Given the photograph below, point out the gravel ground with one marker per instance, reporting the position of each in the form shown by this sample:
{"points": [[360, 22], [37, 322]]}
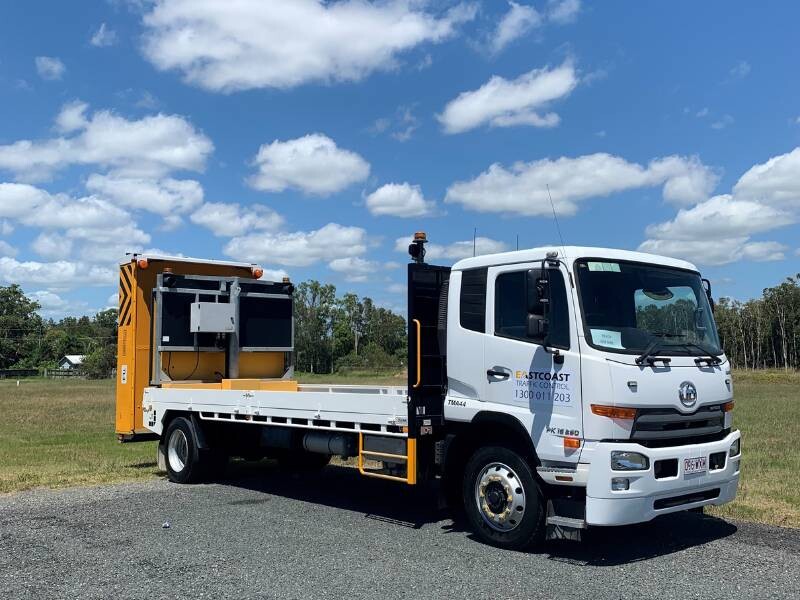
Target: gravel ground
{"points": [[336, 535]]}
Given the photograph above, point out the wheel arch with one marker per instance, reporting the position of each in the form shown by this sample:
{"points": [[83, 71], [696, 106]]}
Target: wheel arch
{"points": [[198, 433], [488, 428]]}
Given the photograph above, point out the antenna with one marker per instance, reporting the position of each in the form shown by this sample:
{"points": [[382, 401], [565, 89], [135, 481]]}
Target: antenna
{"points": [[474, 240], [555, 218], [517, 241]]}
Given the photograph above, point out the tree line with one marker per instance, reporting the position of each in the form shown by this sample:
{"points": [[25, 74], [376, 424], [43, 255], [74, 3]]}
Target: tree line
{"points": [[29, 341], [347, 332], [763, 332], [331, 333]]}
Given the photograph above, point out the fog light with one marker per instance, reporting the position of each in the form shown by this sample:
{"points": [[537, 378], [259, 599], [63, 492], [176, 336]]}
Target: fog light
{"points": [[620, 484], [622, 460], [736, 448]]}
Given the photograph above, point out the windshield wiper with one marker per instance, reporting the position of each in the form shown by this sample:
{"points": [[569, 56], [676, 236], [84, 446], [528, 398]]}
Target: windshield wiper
{"points": [[710, 359], [649, 354]]}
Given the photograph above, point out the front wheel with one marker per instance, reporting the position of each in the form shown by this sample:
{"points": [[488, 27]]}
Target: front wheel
{"points": [[502, 500]]}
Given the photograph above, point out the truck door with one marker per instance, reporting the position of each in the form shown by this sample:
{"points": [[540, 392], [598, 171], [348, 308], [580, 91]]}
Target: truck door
{"points": [[539, 384]]}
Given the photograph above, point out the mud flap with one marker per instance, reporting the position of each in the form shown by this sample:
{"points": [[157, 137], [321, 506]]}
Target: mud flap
{"points": [[562, 528], [161, 458]]}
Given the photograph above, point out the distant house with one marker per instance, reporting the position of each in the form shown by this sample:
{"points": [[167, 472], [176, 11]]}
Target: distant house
{"points": [[71, 361]]}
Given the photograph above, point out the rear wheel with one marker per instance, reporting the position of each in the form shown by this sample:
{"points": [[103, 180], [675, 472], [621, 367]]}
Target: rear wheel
{"points": [[502, 500], [185, 462]]}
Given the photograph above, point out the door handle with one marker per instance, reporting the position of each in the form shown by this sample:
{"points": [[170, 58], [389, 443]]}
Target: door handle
{"points": [[499, 373]]}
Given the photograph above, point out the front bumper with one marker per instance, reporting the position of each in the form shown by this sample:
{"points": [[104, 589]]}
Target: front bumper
{"points": [[647, 496]]}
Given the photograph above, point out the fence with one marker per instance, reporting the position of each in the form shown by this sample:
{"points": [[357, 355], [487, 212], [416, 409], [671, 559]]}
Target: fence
{"points": [[59, 373], [18, 373]]}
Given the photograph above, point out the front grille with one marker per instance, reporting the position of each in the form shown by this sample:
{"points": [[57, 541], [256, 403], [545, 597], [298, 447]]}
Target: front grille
{"points": [[661, 427], [686, 499]]}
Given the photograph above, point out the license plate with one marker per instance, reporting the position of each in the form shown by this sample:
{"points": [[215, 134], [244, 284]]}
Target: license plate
{"points": [[695, 465]]}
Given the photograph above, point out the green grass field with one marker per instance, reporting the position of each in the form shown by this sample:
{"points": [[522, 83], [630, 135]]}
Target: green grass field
{"points": [[768, 413], [61, 433]]}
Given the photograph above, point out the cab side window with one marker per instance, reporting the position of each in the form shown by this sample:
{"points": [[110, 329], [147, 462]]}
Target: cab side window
{"points": [[511, 307], [472, 309]]}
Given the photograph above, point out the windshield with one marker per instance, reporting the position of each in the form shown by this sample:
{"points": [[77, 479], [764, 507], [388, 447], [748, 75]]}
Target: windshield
{"points": [[629, 306]]}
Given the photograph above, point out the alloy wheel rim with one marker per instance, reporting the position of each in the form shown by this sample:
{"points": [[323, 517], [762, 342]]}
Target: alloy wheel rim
{"points": [[178, 450], [500, 497]]}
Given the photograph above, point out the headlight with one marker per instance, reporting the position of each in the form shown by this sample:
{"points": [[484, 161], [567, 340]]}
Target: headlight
{"points": [[736, 448], [622, 460]]}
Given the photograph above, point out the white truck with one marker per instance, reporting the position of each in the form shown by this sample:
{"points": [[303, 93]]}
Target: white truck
{"points": [[551, 389]]}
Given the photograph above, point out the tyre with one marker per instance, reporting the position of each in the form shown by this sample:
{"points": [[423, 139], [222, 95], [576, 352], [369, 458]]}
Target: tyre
{"points": [[302, 460], [186, 463], [503, 503]]}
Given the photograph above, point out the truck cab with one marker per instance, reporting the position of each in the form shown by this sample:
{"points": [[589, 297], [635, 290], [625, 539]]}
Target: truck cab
{"points": [[610, 363]]}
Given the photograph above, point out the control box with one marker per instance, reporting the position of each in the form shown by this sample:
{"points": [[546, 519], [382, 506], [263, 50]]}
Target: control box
{"points": [[212, 317]]}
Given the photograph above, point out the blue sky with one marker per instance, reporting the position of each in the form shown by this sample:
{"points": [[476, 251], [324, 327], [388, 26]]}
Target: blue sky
{"points": [[310, 136]]}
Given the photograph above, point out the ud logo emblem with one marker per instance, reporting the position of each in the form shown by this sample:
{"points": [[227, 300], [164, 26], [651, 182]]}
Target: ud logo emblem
{"points": [[687, 394]]}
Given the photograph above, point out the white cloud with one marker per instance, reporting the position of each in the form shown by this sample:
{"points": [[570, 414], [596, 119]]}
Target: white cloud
{"points": [[7, 249], [147, 100], [518, 21], [503, 103], [104, 37], [19, 200], [56, 274], [37, 208], [250, 44], [355, 268], [703, 112], [775, 182], [563, 11], [52, 246], [740, 70], [72, 117], [6, 228], [231, 220], [299, 248], [456, 250], [49, 68], [522, 189], [714, 252], [720, 217], [62, 212], [401, 126], [151, 146], [312, 163], [94, 222], [48, 300], [718, 230], [399, 200], [161, 196], [723, 122]]}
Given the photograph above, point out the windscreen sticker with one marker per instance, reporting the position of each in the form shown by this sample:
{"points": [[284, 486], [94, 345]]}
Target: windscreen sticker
{"points": [[603, 266], [542, 386], [609, 339]]}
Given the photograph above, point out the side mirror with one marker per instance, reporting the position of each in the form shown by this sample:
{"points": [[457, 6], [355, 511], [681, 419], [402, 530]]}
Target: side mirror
{"points": [[538, 327], [538, 286]]}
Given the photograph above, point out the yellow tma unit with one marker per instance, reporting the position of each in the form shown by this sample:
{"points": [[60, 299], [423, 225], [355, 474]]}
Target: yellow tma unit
{"points": [[198, 323]]}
